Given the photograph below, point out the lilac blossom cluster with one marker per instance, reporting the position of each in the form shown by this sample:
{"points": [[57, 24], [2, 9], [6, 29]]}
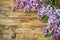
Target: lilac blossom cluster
{"points": [[27, 5], [53, 23], [45, 9]]}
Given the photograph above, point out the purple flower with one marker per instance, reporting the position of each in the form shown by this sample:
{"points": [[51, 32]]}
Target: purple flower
{"points": [[21, 5], [56, 37], [27, 8], [24, 4]]}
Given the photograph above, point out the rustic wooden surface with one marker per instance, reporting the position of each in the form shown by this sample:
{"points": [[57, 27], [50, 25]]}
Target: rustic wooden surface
{"points": [[58, 2], [28, 24]]}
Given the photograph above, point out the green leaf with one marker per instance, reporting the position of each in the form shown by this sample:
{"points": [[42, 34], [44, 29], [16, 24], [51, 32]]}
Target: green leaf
{"points": [[45, 19], [52, 2], [59, 6], [13, 36], [49, 35]]}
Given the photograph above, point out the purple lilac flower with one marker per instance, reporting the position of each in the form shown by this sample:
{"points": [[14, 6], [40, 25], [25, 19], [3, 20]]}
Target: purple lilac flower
{"points": [[24, 3], [56, 37]]}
